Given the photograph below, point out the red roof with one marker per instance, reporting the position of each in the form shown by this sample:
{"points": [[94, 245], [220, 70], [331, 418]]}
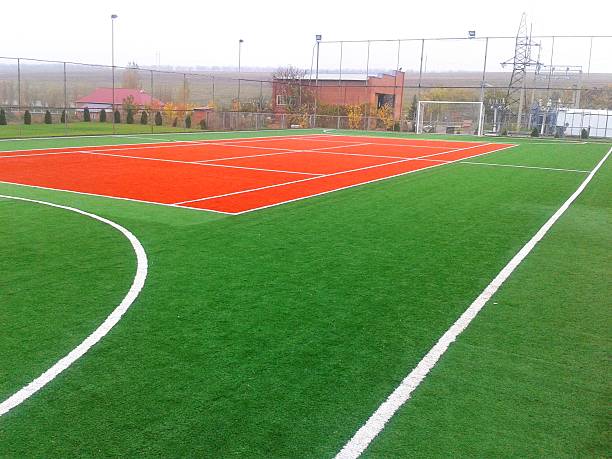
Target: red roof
{"points": [[105, 96]]}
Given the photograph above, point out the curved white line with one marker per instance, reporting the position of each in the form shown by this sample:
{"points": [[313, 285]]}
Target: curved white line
{"points": [[61, 365]]}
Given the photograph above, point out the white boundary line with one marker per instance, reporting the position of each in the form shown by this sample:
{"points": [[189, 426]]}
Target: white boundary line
{"points": [[375, 424], [112, 197], [439, 163], [99, 153], [403, 160], [94, 136], [114, 317], [509, 165]]}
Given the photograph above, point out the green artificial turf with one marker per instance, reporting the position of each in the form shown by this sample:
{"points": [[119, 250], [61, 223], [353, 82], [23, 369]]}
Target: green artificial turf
{"points": [[277, 333]]}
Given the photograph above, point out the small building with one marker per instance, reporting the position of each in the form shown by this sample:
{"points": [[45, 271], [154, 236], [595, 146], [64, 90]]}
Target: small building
{"points": [[199, 117], [102, 99], [346, 89]]}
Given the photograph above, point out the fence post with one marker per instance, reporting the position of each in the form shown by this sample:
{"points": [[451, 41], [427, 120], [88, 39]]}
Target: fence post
{"points": [[65, 103], [482, 86], [151, 116], [19, 92]]}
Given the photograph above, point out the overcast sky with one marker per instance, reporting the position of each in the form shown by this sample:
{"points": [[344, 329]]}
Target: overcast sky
{"points": [[277, 33]]}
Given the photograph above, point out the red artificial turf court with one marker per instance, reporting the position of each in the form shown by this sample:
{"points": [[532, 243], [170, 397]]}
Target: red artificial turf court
{"points": [[231, 175]]}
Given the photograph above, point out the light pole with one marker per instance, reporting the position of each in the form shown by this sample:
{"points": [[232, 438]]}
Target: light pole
{"points": [[240, 42], [318, 39], [113, 17]]}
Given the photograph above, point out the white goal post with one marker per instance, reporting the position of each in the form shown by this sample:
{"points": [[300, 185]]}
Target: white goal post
{"points": [[449, 117]]}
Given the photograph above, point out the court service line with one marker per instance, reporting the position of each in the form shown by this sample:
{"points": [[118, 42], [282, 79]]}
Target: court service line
{"points": [[206, 198], [438, 163], [99, 153], [377, 421], [115, 316]]}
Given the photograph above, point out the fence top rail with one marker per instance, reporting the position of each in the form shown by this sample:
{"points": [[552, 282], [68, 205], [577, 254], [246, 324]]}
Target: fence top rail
{"points": [[499, 37]]}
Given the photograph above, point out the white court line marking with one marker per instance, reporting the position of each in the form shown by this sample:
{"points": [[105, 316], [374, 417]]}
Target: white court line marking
{"points": [[39, 154], [375, 424], [439, 163], [510, 165], [114, 317], [99, 153], [141, 201], [206, 198], [165, 144], [98, 136], [526, 167]]}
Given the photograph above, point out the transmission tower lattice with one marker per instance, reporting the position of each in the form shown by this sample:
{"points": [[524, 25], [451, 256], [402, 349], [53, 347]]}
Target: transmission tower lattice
{"points": [[516, 96]]}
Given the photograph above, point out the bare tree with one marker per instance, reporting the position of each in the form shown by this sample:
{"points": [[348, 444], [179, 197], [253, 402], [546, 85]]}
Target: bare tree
{"points": [[294, 89]]}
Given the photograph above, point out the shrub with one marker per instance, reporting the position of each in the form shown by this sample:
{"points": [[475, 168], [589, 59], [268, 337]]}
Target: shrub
{"points": [[355, 115], [130, 116], [175, 122], [86, 115], [2, 117], [535, 132], [188, 122], [504, 132], [48, 117], [144, 118], [584, 133], [102, 116], [203, 124], [158, 119], [27, 117], [63, 117], [117, 117]]}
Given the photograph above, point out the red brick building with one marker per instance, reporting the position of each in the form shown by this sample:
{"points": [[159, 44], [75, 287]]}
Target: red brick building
{"points": [[345, 89]]}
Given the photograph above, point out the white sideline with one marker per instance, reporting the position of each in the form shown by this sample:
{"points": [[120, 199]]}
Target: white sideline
{"points": [[375, 424], [114, 317]]}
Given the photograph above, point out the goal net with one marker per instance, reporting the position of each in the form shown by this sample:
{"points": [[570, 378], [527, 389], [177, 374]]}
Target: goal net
{"points": [[447, 117]]}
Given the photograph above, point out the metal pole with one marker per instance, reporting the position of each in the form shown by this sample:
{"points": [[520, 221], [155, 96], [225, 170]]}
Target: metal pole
{"points": [[367, 82], [184, 99], [421, 70], [590, 52], [151, 114], [239, 56], [314, 124], [399, 45], [340, 86], [65, 103], [19, 89], [482, 86], [213, 91], [113, 17]]}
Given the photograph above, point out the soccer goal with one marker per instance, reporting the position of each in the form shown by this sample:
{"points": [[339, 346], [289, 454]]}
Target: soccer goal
{"points": [[448, 117]]}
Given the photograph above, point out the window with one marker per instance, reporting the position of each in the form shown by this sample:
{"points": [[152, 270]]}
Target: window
{"points": [[281, 99]]}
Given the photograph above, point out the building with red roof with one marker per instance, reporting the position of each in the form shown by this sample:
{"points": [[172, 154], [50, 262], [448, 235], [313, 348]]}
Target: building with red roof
{"points": [[102, 99]]}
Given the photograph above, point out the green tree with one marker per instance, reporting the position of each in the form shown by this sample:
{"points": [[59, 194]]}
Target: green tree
{"points": [[27, 117], [86, 115], [158, 119], [130, 116], [102, 116], [188, 122], [2, 117], [48, 117], [117, 117], [63, 117], [144, 117]]}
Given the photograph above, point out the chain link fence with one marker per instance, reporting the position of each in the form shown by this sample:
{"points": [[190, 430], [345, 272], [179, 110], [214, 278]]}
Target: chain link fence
{"points": [[367, 85]]}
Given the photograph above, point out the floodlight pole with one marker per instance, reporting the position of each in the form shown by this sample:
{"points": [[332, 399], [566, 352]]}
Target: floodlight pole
{"points": [[113, 17], [314, 124], [240, 41]]}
